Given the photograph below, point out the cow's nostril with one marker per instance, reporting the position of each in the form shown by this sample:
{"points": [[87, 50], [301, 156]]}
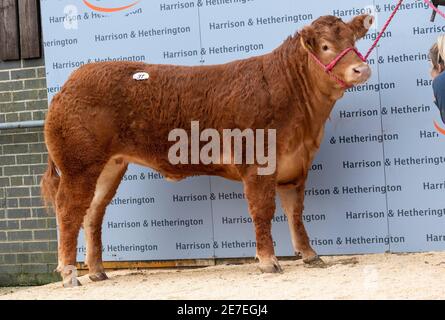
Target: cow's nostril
{"points": [[359, 73]]}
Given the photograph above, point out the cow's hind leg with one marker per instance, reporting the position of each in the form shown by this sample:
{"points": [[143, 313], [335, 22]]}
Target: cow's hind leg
{"points": [[260, 193], [106, 187], [292, 197], [72, 201]]}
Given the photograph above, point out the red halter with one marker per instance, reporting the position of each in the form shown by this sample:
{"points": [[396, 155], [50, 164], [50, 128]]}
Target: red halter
{"points": [[328, 68]]}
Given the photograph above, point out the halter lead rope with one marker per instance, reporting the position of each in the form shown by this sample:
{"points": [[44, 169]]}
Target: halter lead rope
{"points": [[434, 5], [387, 23]]}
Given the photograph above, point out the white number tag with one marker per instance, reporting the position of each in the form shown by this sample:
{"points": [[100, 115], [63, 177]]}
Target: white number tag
{"points": [[140, 76]]}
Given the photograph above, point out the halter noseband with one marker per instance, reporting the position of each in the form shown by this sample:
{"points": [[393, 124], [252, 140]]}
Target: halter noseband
{"points": [[330, 66]]}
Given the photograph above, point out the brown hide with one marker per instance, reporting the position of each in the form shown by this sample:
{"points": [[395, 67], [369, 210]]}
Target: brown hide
{"points": [[103, 119]]}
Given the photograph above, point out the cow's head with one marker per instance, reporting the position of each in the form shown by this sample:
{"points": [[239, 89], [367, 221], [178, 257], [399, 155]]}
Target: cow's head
{"points": [[328, 36]]}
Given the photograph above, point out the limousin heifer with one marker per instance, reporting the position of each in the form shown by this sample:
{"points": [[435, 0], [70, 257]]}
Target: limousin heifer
{"points": [[103, 119]]}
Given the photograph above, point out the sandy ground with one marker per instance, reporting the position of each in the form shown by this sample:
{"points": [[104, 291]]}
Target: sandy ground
{"points": [[381, 276]]}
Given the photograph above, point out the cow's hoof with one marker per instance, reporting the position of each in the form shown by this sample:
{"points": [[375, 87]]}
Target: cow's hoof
{"points": [[298, 256], [99, 276], [71, 283], [271, 266], [314, 262]]}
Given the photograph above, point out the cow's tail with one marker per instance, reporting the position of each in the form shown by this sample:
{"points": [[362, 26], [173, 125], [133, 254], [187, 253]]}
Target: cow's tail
{"points": [[50, 183]]}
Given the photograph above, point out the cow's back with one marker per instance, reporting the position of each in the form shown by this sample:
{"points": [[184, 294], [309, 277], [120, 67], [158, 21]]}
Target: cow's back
{"points": [[195, 92], [103, 107]]}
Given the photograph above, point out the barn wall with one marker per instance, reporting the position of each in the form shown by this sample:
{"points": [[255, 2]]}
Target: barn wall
{"points": [[28, 239]]}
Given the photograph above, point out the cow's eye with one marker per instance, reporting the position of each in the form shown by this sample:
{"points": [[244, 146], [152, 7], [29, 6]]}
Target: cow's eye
{"points": [[325, 48]]}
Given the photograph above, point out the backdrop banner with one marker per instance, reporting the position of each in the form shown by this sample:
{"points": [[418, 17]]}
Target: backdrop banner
{"points": [[378, 182]]}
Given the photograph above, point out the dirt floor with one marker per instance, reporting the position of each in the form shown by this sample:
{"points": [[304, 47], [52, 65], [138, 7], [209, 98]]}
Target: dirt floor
{"points": [[381, 276]]}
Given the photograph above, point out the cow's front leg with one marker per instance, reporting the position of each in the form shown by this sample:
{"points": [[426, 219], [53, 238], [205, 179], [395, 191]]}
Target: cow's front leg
{"points": [[260, 193], [292, 201]]}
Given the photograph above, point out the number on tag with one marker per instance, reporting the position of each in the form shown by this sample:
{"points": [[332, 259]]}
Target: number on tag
{"points": [[140, 76]]}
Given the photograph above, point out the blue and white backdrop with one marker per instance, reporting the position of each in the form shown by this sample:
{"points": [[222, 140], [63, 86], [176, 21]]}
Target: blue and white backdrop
{"points": [[378, 183]]}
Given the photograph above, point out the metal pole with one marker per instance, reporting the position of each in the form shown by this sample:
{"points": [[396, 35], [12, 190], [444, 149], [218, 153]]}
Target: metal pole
{"points": [[22, 125]]}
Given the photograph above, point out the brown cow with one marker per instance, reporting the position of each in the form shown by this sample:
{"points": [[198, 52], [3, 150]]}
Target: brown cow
{"points": [[103, 119]]}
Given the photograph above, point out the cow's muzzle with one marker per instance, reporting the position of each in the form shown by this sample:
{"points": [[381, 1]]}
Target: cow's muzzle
{"points": [[358, 74]]}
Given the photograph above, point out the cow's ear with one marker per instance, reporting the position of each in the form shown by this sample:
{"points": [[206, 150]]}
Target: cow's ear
{"points": [[360, 25], [308, 37]]}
